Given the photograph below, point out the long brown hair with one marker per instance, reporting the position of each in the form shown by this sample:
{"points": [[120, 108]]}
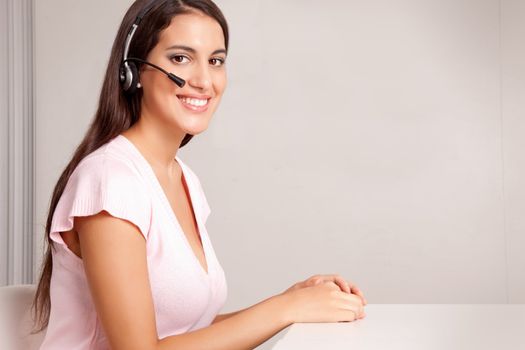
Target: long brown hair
{"points": [[116, 111]]}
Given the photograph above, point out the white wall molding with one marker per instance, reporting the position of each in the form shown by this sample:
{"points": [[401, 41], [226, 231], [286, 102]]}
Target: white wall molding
{"points": [[17, 130], [3, 141]]}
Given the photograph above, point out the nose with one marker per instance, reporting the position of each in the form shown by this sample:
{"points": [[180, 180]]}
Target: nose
{"points": [[200, 77]]}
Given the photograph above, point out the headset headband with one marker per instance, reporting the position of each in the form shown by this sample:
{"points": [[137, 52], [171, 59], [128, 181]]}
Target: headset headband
{"points": [[133, 28]]}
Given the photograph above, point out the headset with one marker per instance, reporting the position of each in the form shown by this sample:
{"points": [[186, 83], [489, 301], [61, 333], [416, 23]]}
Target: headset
{"points": [[129, 73]]}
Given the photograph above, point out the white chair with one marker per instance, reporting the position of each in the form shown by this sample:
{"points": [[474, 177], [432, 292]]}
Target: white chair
{"points": [[16, 321]]}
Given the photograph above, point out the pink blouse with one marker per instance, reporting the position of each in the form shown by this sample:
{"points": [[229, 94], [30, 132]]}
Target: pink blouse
{"points": [[118, 179]]}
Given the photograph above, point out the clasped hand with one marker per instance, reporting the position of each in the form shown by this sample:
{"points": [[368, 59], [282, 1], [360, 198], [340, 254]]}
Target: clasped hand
{"points": [[334, 279]]}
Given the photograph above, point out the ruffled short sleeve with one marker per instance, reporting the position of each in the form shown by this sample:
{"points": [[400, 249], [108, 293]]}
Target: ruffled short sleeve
{"points": [[103, 182]]}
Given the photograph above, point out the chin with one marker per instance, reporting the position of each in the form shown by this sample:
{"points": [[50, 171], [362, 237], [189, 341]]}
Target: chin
{"points": [[196, 129]]}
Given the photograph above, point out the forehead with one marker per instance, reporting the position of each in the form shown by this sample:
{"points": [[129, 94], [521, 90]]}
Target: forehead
{"points": [[196, 30]]}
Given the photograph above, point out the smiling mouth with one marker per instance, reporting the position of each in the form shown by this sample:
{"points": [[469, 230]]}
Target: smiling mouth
{"points": [[194, 104]]}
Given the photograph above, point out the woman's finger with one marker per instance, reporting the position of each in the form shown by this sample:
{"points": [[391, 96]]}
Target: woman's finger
{"points": [[357, 291], [348, 287], [341, 282], [338, 280], [344, 285], [314, 280]]}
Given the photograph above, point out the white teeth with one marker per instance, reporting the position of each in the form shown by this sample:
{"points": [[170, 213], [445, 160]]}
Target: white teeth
{"points": [[193, 101]]}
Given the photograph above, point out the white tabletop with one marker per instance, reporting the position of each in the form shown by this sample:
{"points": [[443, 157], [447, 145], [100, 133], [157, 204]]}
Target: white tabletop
{"points": [[416, 326]]}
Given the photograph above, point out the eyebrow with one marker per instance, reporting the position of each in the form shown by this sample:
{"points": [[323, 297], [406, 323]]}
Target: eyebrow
{"points": [[192, 50]]}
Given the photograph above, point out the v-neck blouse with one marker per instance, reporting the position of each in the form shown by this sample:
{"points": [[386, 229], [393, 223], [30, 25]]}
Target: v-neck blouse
{"points": [[118, 179]]}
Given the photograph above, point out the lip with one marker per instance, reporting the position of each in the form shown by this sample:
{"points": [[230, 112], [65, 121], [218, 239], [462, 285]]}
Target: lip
{"points": [[195, 108], [201, 97]]}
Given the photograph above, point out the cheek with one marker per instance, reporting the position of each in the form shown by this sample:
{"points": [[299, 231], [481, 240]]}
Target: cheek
{"points": [[160, 100], [220, 82], [161, 90]]}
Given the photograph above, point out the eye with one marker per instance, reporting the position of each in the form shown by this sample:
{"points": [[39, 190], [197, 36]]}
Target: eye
{"points": [[220, 60], [177, 58]]}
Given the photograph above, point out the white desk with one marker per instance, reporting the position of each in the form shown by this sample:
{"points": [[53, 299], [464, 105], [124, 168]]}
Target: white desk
{"points": [[416, 327]]}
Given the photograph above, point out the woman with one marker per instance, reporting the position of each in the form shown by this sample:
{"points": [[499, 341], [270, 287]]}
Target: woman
{"points": [[129, 263]]}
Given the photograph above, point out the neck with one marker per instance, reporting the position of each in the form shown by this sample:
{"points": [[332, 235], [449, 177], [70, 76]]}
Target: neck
{"points": [[159, 146]]}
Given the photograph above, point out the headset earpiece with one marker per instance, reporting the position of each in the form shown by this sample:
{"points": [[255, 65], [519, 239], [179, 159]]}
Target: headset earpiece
{"points": [[134, 77], [129, 77]]}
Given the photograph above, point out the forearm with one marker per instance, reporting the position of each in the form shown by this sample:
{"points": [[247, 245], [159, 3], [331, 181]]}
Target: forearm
{"points": [[222, 317], [245, 329]]}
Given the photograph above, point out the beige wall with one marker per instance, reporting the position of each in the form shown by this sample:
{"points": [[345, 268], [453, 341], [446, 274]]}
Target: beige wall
{"points": [[381, 140]]}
